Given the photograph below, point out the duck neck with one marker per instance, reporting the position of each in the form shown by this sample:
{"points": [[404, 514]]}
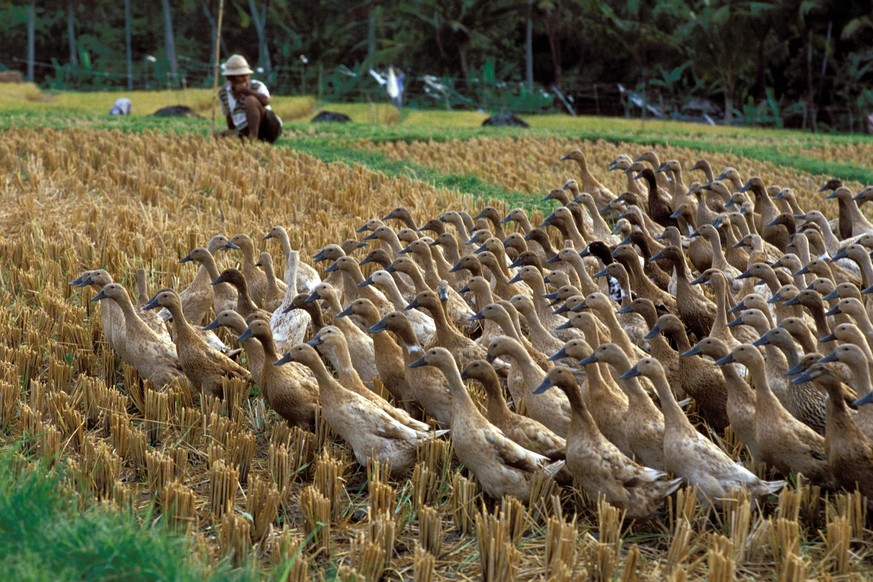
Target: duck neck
{"points": [[719, 325], [673, 414], [184, 331]]}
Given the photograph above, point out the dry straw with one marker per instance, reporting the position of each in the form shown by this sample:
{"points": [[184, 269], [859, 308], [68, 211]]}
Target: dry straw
{"points": [[430, 532], [463, 500], [315, 510], [498, 556]]}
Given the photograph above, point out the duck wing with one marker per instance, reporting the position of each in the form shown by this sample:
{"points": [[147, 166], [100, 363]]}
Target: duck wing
{"points": [[513, 455]]}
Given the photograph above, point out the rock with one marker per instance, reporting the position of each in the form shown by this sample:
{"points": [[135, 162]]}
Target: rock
{"points": [[176, 111], [11, 77], [506, 120], [331, 116]]}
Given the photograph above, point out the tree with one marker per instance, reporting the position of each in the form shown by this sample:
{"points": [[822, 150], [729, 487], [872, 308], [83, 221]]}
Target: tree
{"points": [[71, 33], [260, 22]]}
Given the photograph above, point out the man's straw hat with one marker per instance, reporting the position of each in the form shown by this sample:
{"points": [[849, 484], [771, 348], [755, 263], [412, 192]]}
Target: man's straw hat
{"points": [[236, 65]]}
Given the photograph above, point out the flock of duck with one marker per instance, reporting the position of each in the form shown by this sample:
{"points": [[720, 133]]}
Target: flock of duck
{"points": [[722, 302]]}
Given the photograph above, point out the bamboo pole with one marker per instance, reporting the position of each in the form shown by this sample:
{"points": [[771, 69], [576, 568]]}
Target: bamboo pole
{"points": [[217, 61]]}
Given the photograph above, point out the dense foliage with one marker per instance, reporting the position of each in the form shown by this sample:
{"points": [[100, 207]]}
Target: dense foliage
{"points": [[798, 63]]}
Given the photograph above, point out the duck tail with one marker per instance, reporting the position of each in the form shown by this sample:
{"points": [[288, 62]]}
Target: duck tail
{"points": [[553, 469]]}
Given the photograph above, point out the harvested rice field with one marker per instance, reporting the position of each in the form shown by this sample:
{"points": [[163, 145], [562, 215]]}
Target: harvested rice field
{"points": [[235, 479]]}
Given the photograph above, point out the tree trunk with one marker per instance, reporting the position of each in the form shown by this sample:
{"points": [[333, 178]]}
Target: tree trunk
{"points": [[371, 32], [811, 108], [528, 48], [554, 32], [260, 20], [127, 45], [31, 38], [212, 25], [71, 33], [728, 107], [170, 42]]}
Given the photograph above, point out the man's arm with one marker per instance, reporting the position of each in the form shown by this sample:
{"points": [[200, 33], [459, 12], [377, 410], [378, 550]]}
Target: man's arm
{"points": [[230, 124], [245, 91]]}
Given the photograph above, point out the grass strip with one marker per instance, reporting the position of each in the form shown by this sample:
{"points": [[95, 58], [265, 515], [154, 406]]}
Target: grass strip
{"points": [[46, 535]]}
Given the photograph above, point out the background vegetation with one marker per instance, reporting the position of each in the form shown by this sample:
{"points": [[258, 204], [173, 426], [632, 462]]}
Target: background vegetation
{"points": [[797, 63]]}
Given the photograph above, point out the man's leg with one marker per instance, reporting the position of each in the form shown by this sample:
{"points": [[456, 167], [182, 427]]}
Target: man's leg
{"points": [[254, 114]]}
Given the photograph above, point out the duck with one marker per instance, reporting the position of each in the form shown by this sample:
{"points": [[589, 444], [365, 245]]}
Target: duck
{"points": [[644, 423], [695, 377], [292, 390], [112, 320], [332, 344], [456, 308], [369, 430], [659, 204], [802, 396], [402, 214], [245, 306], [422, 323], [224, 296], [500, 315], [199, 296], [851, 221], [602, 195], [598, 466], [691, 455], [525, 375], [388, 357], [502, 466], [205, 367], [447, 335], [300, 276], [858, 362], [427, 386], [352, 269], [527, 432], [360, 344], [849, 450], [540, 337], [152, 355], [741, 399], [783, 441], [289, 325], [237, 324], [696, 312], [255, 278], [273, 296]]}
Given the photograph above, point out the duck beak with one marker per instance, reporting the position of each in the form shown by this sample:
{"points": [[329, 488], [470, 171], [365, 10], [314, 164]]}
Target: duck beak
{"points": [[316, 341], [744, 275], [312, 297], [560, 354], [830, 196], [592, 359], [362, 228], [602, 273], [247, 334], [215, 324], [152, 303], [835, 311], [552, 260], [728, 359], [371, 236], [457, 267], [802, 379], [692, 352], [863, 400], [515, 279], [632, 373], [561, 309], [506, 219], [333, 267], [319, 256], [653, 332], [378, 327], [490, 358], [365, 282], [99, 296], [476, 316], [284, 359], [761, 341], [625, 309], [547, 383], [184, 259], [793, 371], [657, 257], [735, 322], [231, 245], [345, 312], [418, 363], [566, 325]]}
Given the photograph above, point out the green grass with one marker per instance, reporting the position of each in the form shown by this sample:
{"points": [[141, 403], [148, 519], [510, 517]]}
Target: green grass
{"points": [[46, 535]]}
